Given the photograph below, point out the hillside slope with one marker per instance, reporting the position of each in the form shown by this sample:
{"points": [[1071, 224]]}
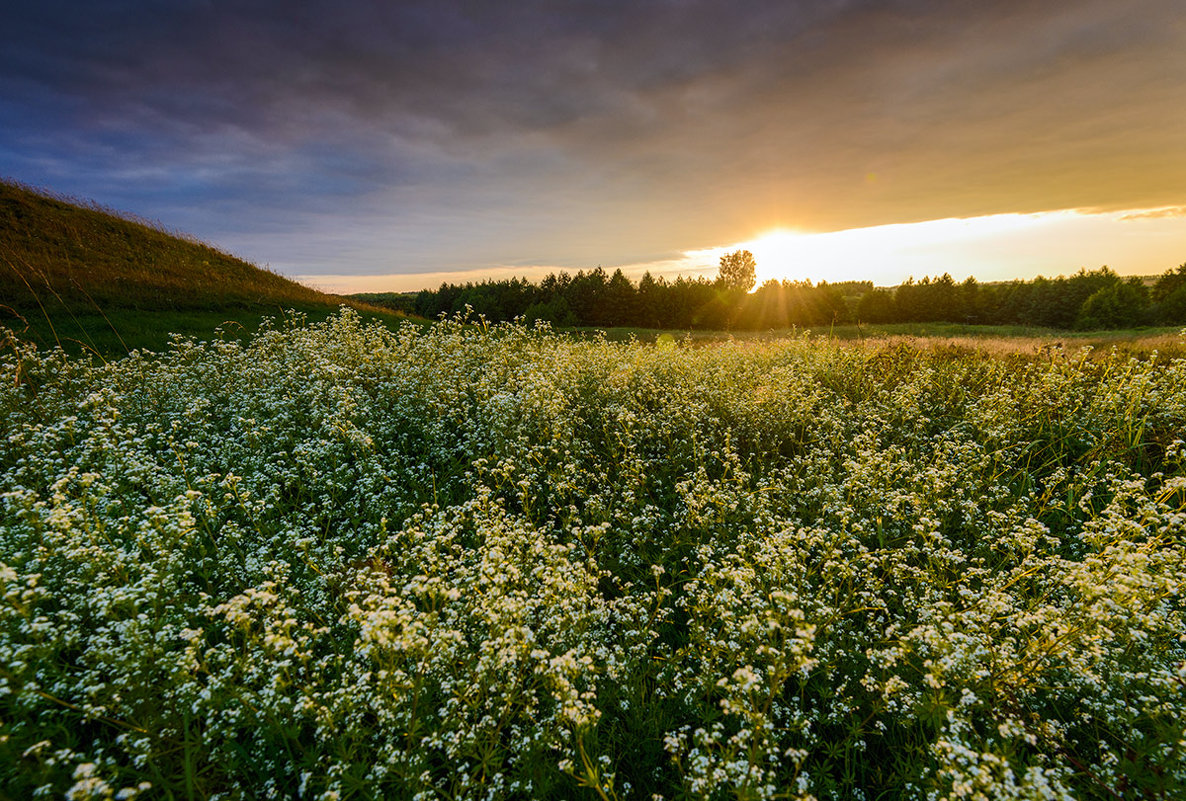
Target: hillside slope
{"points": [[76, 273]]}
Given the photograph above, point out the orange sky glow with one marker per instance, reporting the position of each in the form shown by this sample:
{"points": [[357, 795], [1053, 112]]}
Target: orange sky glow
{"points": [[995, 247]]}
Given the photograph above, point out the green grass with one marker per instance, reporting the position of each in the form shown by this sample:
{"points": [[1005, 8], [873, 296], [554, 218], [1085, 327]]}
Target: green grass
{"points": [[124, 330], [82, 277]]}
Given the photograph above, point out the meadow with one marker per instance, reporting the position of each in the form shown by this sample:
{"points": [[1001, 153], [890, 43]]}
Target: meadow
{"points": [[341, 561]]}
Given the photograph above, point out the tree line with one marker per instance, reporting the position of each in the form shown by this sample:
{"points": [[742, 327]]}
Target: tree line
{"points": [[1089, 299]]}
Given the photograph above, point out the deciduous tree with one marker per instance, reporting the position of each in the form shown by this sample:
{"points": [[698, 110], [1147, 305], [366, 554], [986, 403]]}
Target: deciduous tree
{"points": [[738, 270]]}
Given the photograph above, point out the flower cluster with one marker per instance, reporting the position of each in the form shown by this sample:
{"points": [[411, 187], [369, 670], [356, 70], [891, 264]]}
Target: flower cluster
{"points": [[474, 562]]}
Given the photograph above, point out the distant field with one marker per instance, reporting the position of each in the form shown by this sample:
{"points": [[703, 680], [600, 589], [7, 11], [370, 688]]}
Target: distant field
{"points": [[343, 562], [121, 330], [1000, 337]]}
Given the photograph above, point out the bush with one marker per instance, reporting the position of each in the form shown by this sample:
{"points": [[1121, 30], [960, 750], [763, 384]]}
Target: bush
{"points": [[1122, 305]]}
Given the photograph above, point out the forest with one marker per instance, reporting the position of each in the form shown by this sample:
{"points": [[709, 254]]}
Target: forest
{"points": [[1095, 299]]}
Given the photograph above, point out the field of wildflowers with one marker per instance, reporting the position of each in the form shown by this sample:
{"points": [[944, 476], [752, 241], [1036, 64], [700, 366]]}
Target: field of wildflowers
{"points": [[464, 562]]}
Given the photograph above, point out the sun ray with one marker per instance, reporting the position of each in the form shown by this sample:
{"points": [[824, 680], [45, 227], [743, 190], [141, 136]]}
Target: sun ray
{"points": [[897, 249]]}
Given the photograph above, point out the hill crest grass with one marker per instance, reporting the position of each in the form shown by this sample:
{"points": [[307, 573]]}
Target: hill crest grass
{"points": [[84, 277]]}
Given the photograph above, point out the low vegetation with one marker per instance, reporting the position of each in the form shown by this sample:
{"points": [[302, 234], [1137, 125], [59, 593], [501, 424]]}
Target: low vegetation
{"points": [[464, 562]]}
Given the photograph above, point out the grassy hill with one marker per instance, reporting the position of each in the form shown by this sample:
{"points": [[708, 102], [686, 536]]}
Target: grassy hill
{"points": [[89, 279]]}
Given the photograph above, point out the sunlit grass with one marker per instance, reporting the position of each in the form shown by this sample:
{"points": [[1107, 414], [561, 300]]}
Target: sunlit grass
{"points": [[993, 339]]}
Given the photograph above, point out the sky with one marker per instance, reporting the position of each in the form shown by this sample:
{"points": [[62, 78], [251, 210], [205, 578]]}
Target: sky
{"points": [[374, 146]]}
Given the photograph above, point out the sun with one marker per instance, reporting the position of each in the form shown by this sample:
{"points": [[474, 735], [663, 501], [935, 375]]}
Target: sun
{"points": [[887, 253], [780, 254]]}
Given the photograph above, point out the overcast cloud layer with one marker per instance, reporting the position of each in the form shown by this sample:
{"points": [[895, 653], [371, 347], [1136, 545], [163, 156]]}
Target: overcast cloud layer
{"points": [[352, 137]]}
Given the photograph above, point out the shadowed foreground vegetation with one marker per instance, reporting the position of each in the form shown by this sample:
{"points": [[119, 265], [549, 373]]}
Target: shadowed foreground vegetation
{"points": [[85, 278], [341, 562]]}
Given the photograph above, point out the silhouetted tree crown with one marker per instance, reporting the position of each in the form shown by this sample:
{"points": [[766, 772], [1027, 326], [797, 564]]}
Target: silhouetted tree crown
{"points": [[738, 270]]}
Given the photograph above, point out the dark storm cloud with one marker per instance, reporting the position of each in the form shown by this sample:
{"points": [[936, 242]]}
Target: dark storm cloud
{"points": [[384, 136]]}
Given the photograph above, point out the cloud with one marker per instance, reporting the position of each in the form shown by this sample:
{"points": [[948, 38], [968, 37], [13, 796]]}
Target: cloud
{"points": [[427, 136], [1154, 214]]}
